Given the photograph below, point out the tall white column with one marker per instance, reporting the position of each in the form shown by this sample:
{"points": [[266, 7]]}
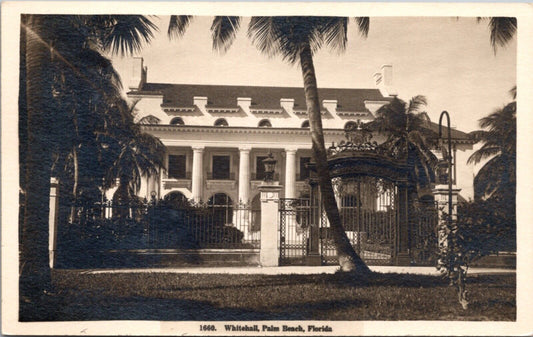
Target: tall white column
{"points": [[244, 174], [197, 173], [52, 220], [290, 173]]}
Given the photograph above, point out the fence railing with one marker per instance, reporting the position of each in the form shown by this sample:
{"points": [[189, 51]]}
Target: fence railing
{"points": [[159, 225]]}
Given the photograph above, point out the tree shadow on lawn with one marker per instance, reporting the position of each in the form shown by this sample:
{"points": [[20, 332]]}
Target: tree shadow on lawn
{"points": [[80, 301], [338, 280], [141, 308]]}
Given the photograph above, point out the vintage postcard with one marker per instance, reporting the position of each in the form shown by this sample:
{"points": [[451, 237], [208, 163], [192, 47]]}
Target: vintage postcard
{"points": [[239, 169]]}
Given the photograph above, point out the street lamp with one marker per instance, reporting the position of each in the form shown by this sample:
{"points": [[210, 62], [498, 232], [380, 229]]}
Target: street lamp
{"points": [[450, 206], [270, 167]]}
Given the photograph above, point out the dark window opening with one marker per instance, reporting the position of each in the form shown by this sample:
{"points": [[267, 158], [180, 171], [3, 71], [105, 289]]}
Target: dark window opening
{"points": [[260, 167], [304, 170], [177, 121], [221, 167], [221, 122], [265, 123], [177, 166]]}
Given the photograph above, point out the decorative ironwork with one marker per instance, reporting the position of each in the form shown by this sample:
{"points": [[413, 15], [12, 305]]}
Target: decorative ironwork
{"points": [[359, 139], [369, 214], [295, 220]]}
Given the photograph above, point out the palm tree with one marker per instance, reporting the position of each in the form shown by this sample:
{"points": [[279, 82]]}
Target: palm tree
{"points": [[497, 177], [296, 39], [408, 132], [135, 155], [43, 43]]}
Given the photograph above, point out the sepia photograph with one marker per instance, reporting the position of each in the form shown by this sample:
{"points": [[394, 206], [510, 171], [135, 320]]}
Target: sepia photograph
{"points": [[266, 169]]}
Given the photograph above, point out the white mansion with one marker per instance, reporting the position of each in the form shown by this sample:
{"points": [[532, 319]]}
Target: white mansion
{"points": [[217, 136]]}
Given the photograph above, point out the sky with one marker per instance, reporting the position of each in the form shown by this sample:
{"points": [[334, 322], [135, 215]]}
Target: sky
{"points": [[448, 60]]}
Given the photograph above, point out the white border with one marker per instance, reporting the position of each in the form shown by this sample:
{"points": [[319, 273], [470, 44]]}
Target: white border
{"points": [[10, 49]]}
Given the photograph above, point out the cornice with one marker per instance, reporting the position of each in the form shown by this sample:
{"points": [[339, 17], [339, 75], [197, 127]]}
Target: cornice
{"points": [[251, 130], [233, 130]]}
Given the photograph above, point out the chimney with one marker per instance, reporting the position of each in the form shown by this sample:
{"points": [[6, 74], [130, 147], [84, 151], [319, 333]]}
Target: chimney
{"points": [[200, 101], [138, 74], [383, 81]]}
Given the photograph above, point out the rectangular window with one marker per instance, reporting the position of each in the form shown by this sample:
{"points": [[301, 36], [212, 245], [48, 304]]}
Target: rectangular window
{"points": [[177, 166], [260, 167], [304, 170], [221, 167]]}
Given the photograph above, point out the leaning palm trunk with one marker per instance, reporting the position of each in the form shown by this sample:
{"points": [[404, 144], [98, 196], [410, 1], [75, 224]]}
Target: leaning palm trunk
{"points": [[34, 266], [348, 258]]}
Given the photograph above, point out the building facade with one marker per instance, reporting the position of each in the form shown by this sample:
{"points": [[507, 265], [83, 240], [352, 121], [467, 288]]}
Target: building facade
{"points": [[217, 136]]}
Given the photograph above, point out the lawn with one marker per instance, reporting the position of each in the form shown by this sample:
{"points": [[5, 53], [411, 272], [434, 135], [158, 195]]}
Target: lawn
{"points": [[164, 296]]}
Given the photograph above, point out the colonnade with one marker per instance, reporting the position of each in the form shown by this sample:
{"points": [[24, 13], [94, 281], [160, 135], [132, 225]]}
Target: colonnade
{"points": [[244, 176]]}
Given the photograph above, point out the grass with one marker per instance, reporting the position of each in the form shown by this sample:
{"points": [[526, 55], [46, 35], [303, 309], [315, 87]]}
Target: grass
{"points": [[162, 296]]}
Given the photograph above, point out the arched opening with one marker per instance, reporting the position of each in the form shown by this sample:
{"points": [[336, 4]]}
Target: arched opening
{"points": [[150, 119], [350, 125], [177, 121], [305, 124], [221, 208], [265, 123], [221, 122], [176, 200]]}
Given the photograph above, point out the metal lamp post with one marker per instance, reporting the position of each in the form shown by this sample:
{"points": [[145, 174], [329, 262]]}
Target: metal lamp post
{"points": [[450, 206], [270, 167]]}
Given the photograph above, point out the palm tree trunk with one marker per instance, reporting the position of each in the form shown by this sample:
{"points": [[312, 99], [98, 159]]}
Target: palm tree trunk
{"points": [[348, 258], [34, 261], [75, 184]]}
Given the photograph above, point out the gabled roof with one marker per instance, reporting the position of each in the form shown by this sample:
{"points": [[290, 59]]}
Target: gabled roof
{"points": [[225, 96]]}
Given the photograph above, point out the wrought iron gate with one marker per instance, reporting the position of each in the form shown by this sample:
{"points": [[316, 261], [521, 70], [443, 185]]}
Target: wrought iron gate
{"points": [[368, 208], [294, 219]]}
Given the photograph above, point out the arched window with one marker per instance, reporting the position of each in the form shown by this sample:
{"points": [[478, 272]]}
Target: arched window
{"points": [[221, 209], [221, 122], [176, 200], [305, 124], [150, 119], [265, 123], [177, 121]]}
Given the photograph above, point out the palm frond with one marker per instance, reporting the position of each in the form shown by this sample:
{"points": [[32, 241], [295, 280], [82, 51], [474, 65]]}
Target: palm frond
{"points": [[483, 153], [489, 178], [513, 92], [264, 35], [127, 33], [335, 31], [364, 25], [502, 31], [177, 25], [223, 30], [415, 103]]}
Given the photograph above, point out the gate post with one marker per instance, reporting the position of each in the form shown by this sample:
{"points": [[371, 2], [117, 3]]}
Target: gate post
{"points": [[269, 251], [52, 220], [402, 229], [440, 193]]}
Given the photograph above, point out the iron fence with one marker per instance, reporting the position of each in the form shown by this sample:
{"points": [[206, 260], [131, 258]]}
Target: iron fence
{"points": [[158, 224]]}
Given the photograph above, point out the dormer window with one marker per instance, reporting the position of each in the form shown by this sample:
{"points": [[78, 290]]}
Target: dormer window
{"points": [[305, 124], [221, 122], [177, 121], [265, 123]]}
